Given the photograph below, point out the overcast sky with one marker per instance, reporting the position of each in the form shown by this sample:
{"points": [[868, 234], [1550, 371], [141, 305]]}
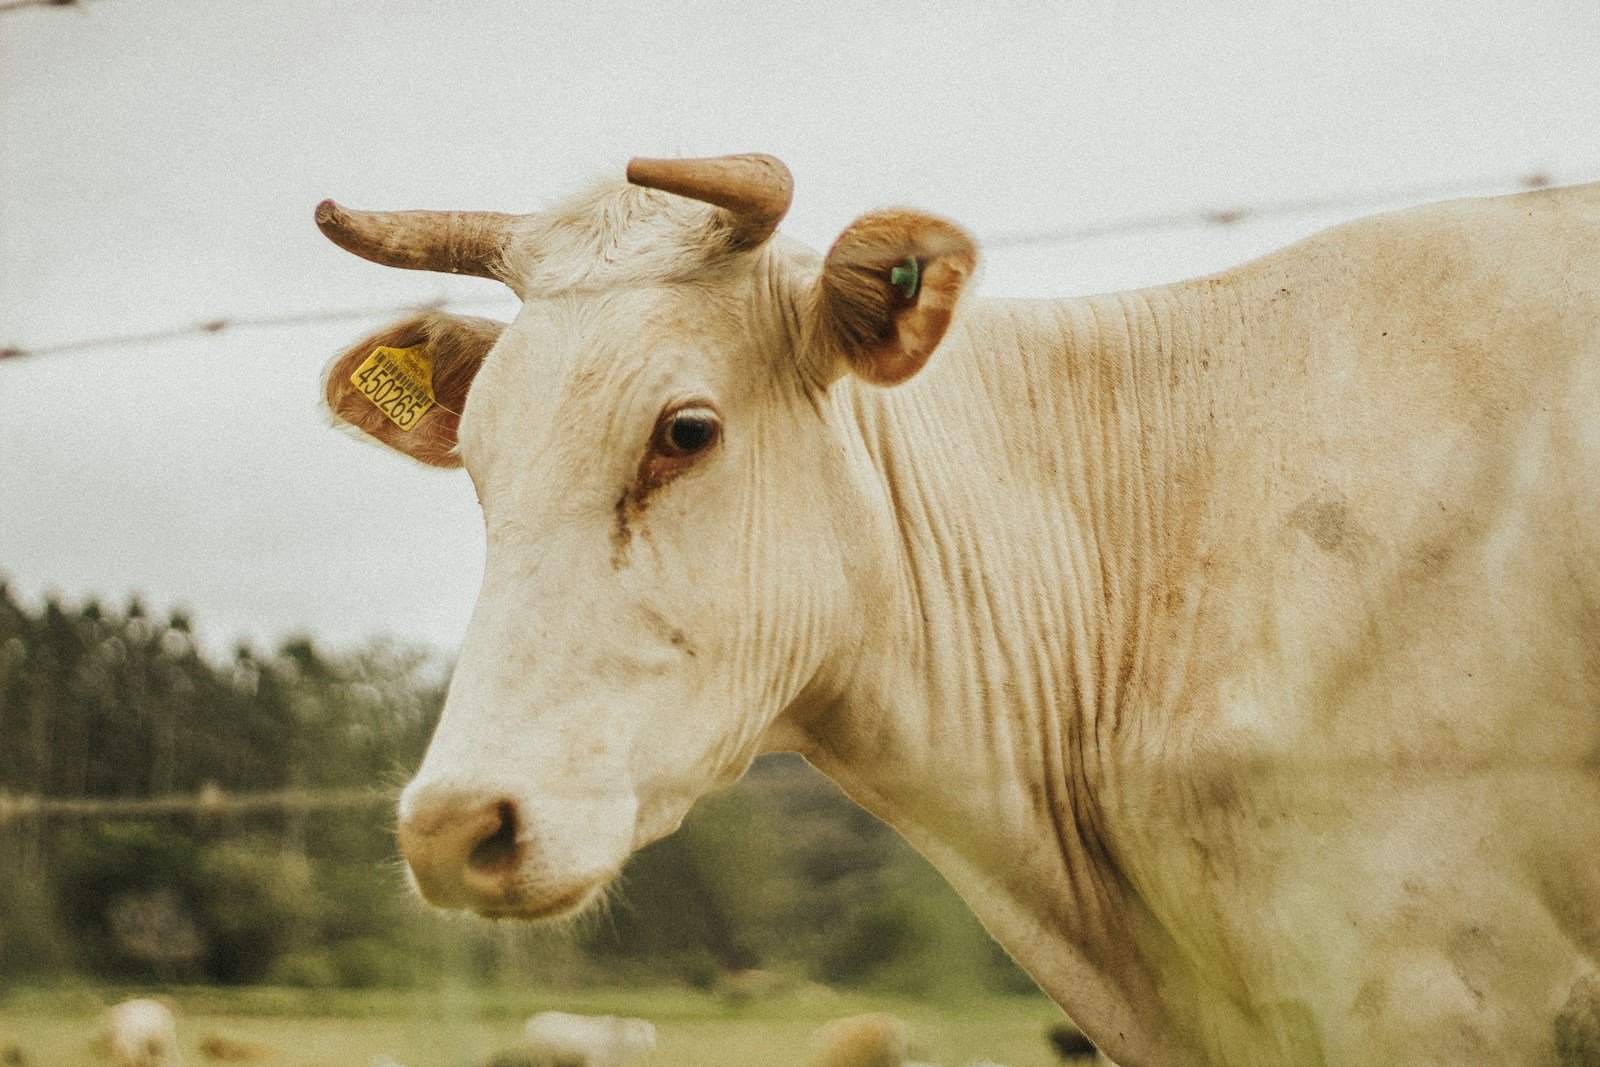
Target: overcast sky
{"points": [[159, 160]]}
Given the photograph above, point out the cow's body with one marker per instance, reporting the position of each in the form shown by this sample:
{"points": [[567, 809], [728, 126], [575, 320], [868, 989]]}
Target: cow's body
{"points": [[1243, 657], [560, 1039], [141, 1033], [1233, 647]]}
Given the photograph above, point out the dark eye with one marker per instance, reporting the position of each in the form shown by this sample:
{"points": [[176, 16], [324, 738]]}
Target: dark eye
{"points": [[687, 431]]}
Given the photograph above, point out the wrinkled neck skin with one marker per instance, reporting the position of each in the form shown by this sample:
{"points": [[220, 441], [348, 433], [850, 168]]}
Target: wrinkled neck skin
{"points": [[1027, 621]]}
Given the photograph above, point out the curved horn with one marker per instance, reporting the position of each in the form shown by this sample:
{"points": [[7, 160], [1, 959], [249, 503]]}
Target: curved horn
{"points": [[456, 242], [755, 189]]}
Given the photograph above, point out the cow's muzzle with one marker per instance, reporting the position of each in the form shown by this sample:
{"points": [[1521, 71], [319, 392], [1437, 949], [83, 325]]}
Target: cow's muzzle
{"points": [[477, 851]]}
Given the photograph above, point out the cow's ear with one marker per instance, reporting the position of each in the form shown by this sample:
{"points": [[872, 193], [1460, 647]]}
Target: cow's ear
{"points": [[405, 385], [888, 290]]}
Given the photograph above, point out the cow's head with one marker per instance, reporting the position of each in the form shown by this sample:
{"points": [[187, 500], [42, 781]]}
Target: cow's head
{"points": [[677, 546]]}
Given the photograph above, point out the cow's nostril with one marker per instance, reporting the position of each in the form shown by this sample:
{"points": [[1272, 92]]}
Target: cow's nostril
{"points": [[497, 853]]}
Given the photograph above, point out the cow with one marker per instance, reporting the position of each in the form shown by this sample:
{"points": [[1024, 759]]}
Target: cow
{"points": [[1231, 646], [560, 1039], [141, 1033], [874, 1040]]}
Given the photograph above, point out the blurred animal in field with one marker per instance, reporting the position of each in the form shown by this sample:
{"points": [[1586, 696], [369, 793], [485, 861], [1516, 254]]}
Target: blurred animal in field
{"points": [[1068, 1042], [560, 1039], [219, 1048], [521, 1056], [875, 1040], [13, 1056], [739, 987], [141, 1033]]}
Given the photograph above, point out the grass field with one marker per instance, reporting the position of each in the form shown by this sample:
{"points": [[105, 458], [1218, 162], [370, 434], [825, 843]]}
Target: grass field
{"points": [[463, 1028]]}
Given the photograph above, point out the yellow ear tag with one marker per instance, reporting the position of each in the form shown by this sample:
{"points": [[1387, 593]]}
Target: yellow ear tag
{"points": [[399, 382]]}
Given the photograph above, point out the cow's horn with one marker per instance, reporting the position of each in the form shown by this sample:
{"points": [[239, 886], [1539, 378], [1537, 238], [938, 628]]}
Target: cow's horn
{"points": [[755, 189], [456, 242]]}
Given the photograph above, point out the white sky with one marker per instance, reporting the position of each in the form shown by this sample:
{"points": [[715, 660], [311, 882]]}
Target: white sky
{"points": [[159, 160]]}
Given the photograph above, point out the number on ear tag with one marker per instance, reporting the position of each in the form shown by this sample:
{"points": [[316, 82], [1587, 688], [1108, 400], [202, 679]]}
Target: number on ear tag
{"points": [[398, 382]]}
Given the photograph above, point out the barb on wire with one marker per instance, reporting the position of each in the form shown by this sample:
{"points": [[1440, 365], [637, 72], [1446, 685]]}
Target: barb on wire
{"points": [[1228, 216], [15, 5], [209, 801]]}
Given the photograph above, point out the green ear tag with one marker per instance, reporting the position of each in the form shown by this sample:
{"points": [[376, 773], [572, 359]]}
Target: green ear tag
{"points": [[907, 277]]}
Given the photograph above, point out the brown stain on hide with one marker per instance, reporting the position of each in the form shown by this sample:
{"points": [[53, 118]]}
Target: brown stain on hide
{"points": [[1577, 1028], [1370, 999], [1327, 521], [1474, 953], [672, 634], [655, 470]]}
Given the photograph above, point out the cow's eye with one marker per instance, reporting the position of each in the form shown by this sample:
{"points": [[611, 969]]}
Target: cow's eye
{"points": [[687, 431]]}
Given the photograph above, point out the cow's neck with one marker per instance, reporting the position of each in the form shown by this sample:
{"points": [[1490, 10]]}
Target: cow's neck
{"points": [[1032, 486]]}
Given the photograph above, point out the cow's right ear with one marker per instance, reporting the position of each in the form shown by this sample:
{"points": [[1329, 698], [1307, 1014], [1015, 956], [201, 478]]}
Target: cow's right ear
{"points": [[405, 386]]}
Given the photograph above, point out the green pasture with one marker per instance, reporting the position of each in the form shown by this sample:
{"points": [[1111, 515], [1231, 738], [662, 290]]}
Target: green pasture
{"points": [[462, 1028]]}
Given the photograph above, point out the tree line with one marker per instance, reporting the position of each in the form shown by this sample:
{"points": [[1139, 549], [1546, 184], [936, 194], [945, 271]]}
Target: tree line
{"points": [[781, 875]]}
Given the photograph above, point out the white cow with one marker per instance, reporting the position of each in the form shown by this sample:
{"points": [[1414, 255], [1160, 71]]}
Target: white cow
{"points": [[559, 1039], [874, 1040], [1232, 646], [142, 1033]]}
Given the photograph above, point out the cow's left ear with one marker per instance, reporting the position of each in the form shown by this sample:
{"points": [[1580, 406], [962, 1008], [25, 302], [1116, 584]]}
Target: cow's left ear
{"points": [[406, 385], [888, 290]]}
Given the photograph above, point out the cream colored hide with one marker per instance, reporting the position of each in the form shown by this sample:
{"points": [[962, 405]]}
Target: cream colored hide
{"points": [[141, 1033], [560, 1039], [1232, 646]]}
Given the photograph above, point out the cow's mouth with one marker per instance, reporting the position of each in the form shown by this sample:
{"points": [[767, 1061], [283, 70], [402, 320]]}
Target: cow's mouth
{"points": [[526, 906]]}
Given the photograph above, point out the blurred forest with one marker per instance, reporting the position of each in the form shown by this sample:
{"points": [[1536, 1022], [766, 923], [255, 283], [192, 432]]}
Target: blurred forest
{"points": [[780, 879]]}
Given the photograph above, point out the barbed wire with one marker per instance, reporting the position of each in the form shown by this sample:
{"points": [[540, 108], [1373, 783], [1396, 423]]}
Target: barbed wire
{"points": [[1004, 239], [209, 801], [17, 5], [234, 322], [1265, 209]]}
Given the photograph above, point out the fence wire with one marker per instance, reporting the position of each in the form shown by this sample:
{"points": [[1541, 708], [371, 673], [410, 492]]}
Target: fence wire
{"points": [[211, 801], [7, 6], [1005, 239]]}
